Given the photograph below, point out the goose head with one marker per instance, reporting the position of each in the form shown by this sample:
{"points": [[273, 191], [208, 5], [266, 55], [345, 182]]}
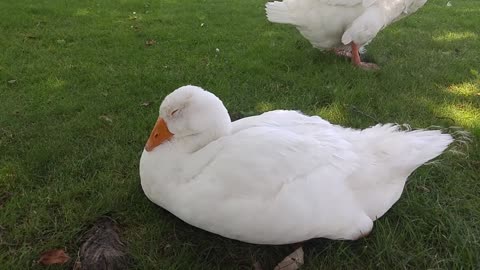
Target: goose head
{"points": [[189, 117]]}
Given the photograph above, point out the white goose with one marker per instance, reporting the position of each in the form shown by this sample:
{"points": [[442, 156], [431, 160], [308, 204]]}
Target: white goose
{"points": [[341, 25], [277, 178]]}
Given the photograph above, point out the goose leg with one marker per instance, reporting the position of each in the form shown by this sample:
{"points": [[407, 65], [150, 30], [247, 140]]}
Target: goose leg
{"points": [[358, 62]]}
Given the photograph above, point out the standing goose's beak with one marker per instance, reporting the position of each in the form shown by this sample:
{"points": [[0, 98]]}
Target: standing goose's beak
{"points": [[160, 133]]}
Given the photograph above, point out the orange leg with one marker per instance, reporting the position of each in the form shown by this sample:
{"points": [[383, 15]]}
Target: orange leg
{"points": [[358, 62], [355, 54]]}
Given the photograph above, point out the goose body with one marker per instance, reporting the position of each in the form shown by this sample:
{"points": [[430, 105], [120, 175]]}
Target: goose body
{"points": [[277, 178], [340, 24]]}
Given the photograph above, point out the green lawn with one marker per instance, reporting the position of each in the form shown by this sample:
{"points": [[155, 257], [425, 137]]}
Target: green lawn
{"points": [[73, 76]]}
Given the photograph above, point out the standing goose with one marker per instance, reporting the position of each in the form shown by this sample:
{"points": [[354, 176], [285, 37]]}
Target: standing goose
{"points": [[341, 25], [277, 178]]}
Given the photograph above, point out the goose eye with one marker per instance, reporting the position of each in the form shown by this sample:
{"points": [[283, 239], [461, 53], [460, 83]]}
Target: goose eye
{"points": [[173, 113]]}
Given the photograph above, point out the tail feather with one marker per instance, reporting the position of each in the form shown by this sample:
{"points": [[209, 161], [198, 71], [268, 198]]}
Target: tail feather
{"points": [[406, 149], [388, 156], [277, 12], [461, 139]]}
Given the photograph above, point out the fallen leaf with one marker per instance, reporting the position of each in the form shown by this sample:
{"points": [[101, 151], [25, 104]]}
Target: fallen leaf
{"points": [[54, 256], [135, 27], [40, 23], [424, 188], [150, 42], [292, 262], [146, 104], [12, 81], [105, 118], [31, 36]]}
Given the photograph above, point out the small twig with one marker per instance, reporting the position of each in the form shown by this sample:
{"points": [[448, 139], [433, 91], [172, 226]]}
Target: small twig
{"points": [[175, 232], [351, 107], [446, 117], [288, 67], [8, 244]]}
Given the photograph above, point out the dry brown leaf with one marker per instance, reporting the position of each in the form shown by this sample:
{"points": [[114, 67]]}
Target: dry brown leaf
{"points": [[150, 42], [54, 256], [292, 262], [105, 118]]}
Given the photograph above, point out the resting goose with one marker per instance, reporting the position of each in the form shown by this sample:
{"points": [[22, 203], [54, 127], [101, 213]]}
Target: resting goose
{"points": [[277, 178]]}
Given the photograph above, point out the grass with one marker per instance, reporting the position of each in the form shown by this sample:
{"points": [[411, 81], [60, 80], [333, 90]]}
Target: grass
{"points": [[73, 76]]}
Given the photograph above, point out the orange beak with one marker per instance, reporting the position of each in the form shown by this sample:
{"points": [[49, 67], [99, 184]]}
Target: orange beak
{"points": [[160, 133]]}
